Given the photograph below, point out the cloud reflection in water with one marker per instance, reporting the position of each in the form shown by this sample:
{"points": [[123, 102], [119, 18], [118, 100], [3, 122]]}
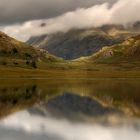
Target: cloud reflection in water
{"points": [[27, 126]]}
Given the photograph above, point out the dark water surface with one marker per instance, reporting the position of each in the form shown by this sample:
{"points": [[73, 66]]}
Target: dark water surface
{"points": [[70, 109]]}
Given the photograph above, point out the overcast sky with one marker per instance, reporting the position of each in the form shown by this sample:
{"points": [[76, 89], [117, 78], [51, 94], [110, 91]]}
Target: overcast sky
{"points": [[15, 11], [22, 19]]}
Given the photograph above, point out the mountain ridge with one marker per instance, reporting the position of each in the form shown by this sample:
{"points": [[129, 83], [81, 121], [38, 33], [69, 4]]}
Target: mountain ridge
{"points": [[81, 42]]}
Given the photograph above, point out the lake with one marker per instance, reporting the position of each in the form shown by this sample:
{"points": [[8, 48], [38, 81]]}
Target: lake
{"points": [[70, 109]]}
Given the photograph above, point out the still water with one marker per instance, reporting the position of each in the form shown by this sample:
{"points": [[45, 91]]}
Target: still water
{"points": [[70, 109]]}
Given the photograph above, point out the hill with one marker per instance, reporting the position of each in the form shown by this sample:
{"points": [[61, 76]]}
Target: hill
{"points": [[125, 52], [16, 53], [18, 59]]}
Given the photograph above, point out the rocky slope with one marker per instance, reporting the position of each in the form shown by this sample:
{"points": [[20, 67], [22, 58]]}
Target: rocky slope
{"points": [[81, 42]]}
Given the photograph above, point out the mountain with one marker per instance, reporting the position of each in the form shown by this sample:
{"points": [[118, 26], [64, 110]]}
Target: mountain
{"points": [[14, 52], [81, 42], [125, 52], [37, 40]]}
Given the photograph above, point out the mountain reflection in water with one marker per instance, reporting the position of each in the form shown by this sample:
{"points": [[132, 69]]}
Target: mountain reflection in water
{"points": [[83, 110]]}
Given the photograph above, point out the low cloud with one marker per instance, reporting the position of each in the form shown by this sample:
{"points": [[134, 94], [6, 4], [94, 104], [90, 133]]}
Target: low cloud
{"points": [[122, 12]]}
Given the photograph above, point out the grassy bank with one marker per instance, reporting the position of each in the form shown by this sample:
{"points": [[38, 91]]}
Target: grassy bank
{"points": [[16, 72]]}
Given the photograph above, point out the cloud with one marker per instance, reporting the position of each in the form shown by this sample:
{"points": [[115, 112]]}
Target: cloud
{"points": [[23, 10], [56, 129], [122, 12]]}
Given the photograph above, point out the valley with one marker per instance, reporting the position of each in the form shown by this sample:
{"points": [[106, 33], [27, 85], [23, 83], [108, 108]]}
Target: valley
{"points": [[70, 70], [118, 60]]}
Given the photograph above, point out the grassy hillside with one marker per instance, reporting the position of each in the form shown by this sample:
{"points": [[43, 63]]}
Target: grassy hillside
{"points": [[126, 52], [16, 53]]}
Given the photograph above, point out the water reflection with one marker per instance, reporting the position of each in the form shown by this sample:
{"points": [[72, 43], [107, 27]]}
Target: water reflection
{"points": [[70, 110], [25, 125], [74, 107]]}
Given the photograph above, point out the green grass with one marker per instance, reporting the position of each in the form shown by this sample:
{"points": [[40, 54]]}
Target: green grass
{"points": [[97, 72]]}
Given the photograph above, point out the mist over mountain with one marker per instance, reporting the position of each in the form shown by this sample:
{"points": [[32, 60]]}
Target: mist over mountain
{"points": [[81, 32], [82, 42], [121, 12]]}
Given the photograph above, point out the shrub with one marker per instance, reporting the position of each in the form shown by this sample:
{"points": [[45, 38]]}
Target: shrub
{"points": [[27, 62], [34, 65], [27, 55], [14, 51], [15, 63]]}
